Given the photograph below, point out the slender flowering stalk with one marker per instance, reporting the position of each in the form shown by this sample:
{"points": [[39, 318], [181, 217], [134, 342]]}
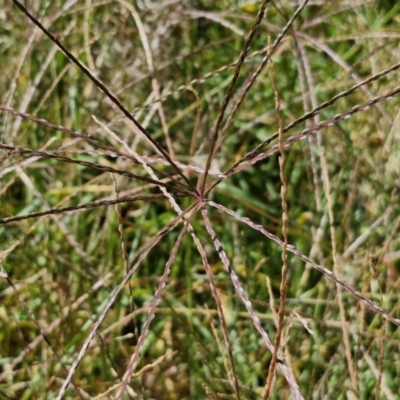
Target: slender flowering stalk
{"points": [[259, 69], [229, 91], [254, 155], [84, 206], [316, 110], [104, 89], [324, 124], [73, 134], [247, 303], [110, 302], [329, 274], [285, 223], [45, 154]]}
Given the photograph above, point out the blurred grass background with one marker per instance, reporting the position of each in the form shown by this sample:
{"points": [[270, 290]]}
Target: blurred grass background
{"points": [[65, 266]]}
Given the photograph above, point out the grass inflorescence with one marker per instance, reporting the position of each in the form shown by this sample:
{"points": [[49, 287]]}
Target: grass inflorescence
{"points": [[199, 200]]}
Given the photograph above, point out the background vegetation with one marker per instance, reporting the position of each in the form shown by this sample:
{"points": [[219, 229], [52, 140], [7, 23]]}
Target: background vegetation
{"points": [[60, 270]]}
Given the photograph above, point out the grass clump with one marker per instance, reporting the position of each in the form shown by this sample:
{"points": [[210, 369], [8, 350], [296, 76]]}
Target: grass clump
{"points": [[199, 200]]}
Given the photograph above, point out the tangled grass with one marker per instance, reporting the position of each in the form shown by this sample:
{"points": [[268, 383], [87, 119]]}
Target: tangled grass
{"points": [[199, 200]]}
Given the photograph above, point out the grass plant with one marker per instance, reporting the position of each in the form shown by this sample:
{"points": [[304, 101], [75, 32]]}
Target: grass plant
{"points": [[199, 199]]}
